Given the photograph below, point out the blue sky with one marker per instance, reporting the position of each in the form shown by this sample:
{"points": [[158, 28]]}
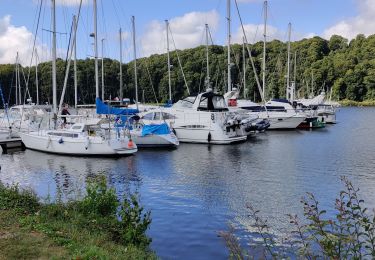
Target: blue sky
{"points": [[187, 18]]}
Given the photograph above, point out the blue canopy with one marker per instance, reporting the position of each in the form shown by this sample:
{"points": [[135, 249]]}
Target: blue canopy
{"points": [[102, 108], [160, 129]]}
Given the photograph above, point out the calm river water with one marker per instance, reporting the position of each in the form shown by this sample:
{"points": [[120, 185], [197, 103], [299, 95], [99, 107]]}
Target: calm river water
{"points": [[197, 190]]}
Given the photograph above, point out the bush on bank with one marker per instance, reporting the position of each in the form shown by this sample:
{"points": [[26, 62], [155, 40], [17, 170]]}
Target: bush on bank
{"points": [[99, 226], [350, 234]]}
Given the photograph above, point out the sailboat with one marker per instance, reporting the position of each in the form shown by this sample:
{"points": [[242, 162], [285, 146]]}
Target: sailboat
{"points": [[81, 138]]}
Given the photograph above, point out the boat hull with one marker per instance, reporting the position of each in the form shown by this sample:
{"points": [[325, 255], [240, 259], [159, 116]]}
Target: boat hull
{"points": [[76, 146]]}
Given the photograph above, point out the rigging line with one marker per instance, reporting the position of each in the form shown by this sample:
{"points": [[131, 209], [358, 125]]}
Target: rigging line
{"points": [[152, 85], [251, 57], [33, 49], [116, 14], [179, 61]]}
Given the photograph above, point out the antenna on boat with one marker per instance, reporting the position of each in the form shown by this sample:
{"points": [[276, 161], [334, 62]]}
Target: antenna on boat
{"points": [[207, 60], [288, 88]]}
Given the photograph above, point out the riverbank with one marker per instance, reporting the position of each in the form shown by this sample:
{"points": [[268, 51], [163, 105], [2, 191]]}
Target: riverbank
{"points": [[86, 229], [352, 103]]}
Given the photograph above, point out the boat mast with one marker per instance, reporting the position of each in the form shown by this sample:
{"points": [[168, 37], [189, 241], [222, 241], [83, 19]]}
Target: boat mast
{"points": [[244, 67], [207, 59], [169, 62], [103, 69], [16, 79], [295, 75], [264, 47], [19, 81], [75, 64], [135, 63], [288, 89], [54, 83], [229, 40], [121, 80], [96, 51], [36, 77]]}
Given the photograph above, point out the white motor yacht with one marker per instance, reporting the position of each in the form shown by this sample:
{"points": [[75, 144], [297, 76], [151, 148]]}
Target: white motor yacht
{"points": [[204, 118], [280, 113]]}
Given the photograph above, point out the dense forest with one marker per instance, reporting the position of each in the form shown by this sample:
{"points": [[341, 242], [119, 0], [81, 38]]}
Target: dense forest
{"points": [[345, 67]]}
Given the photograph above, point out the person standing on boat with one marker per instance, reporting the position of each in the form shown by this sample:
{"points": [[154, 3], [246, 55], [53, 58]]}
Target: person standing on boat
{"points": [[64, 112]]}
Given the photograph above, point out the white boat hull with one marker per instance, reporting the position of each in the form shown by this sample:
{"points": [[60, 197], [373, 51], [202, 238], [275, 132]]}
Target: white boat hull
{"points": [[280, 122], [76, 146], [152, 140]]}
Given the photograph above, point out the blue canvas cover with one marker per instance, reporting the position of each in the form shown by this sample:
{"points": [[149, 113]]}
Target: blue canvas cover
{"points": [[104, 109], [160, 129]]}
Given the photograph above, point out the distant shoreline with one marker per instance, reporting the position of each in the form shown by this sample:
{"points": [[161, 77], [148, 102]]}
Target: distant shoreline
{"points": [[352, 103]]}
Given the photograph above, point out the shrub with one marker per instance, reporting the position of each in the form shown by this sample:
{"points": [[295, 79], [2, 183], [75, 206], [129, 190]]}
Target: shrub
{"points": [[349, 235], [100, 200], [14, 198]]}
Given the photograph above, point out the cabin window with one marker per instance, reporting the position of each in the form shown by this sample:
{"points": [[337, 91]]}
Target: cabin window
{"points": [[149, 116]]}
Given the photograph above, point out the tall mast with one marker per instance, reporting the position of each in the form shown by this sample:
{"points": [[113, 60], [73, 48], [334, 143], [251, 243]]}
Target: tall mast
{"points": [[169, 62], [54, 84], [244, 67], [207, 59], [121, 82], [17, 79], [103, 69], [36, 77], [75, 63], [96, 51], [264, 47], [135, 63], [295, 74], [288, 90], [229, 39]]}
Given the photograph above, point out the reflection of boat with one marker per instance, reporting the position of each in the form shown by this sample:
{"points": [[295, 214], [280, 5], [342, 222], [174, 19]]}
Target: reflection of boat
{"points": [[202, 119], [80, 139]]}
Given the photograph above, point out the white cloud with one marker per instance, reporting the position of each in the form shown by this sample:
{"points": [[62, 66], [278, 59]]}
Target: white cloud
{"points": [[15, 39], [364, 22], [254, 33], [188, 31], [71, 2]]}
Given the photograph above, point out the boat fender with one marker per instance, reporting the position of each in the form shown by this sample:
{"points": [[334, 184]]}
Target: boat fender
{"points": [[174, 131], [61, 141], [130, 143], [209, 137], [87, 142]]}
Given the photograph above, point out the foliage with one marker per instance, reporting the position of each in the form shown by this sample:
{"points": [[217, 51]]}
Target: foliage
{"points": [[98, 226], [12, 197], [348, 68], [349, 235]]}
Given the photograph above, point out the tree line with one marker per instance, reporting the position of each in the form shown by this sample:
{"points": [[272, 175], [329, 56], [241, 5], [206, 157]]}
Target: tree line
{"points": [[341, 67]]}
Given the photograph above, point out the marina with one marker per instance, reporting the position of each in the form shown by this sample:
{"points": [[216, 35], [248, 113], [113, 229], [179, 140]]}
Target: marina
{"points": [[195, 191], [205, 130]]}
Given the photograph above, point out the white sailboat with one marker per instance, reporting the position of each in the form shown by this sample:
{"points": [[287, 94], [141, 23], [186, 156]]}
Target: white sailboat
{"points": [[81, 138]]}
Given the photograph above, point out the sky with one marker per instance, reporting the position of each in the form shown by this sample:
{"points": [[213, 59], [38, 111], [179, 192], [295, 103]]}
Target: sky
{"points": [[187, 18]]}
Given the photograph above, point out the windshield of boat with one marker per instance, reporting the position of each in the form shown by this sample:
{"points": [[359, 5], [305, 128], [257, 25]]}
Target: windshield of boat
{"points": [[185, 103], [213, 103]]}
